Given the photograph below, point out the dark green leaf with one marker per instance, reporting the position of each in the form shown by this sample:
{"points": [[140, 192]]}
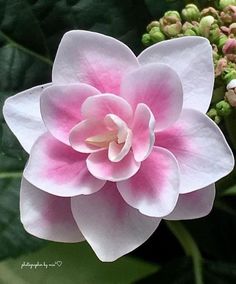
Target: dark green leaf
{"points": [[215, 235], [180, 271], [74, 263]]}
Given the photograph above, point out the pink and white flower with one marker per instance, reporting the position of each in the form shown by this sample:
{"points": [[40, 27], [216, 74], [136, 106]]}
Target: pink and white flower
{"points": [[118, 142]]}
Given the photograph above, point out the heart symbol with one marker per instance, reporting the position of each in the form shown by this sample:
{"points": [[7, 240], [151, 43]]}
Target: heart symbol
{"points": [[59, 263]]}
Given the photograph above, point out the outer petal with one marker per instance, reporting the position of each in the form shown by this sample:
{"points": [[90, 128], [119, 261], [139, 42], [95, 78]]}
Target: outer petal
{"points": [[194, 205], [22, 114], [100, 106], [154, 189], [159, 87], [92, 58], [200, 148], [47, 216], [143, 132], [60, 108], [111, 226], [191, 58], [58, 169], [101, 167]]}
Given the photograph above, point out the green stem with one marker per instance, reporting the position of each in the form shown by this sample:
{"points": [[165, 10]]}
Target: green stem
{"points": [[189, 246], [25, 50], [4, 175], [223, 206]]}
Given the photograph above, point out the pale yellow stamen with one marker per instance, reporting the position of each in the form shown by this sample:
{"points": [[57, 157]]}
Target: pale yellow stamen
{"points": [[102, 140]]}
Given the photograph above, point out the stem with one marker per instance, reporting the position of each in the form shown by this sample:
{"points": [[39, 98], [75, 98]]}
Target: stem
{"points": [[189, 246], [219, 204], [25, 50], [4, 175]]}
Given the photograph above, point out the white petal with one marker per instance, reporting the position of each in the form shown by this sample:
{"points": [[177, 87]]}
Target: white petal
{"points": [[109, 224], [194, 205], [200, 149], [22, 114], [47, 216], [191, 58], [154, 189], [94, 59]]}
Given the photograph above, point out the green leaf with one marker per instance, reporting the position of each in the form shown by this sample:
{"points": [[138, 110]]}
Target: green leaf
{"points": [[180, 271], [157, 9], [216, 234], [74, 263], [229, 191]]}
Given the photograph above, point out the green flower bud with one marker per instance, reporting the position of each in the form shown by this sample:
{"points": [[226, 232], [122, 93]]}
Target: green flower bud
{"points": [[223, 108], [217, 119], [171, 24], [214, 33], [225, 3], [205, 25], [146, 39], [156, 35], [210, 11], [220, 66], [173, 14], [229, 74], [232, 29], [212, 113], [222, 40], [215, 53], [230, 95], [190, 29], [228, 15], [152, 25], [189, 33], [190, 13]]}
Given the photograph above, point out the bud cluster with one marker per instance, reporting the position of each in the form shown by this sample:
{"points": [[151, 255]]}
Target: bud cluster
{"points": [[218, 25]]}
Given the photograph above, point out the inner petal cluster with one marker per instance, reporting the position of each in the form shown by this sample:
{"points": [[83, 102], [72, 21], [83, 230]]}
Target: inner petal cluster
{"points": [[116, 132]]}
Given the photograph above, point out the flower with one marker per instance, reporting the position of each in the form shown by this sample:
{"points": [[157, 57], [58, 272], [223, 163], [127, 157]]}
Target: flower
{"points": [[118, 143], [170, 23], [190, 13]]}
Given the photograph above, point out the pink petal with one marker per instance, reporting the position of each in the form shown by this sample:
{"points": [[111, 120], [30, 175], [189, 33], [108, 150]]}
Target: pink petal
{"points": [[114, 123], [58, 169], [159, 87], [84, 130], [194, 205], [60, 108], [117, 152], [200, 148], [111, 227], [100, 106], [191, 58], [47, 216], [22, 114], [101, 167], [94, 59], [154, 189], [143, 132]]}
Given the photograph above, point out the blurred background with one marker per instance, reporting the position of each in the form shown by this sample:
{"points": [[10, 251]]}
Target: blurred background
{"points": [[30, 32]]}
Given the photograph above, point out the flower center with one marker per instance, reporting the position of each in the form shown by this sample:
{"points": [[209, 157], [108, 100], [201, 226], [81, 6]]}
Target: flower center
{"points": [[102, 140]]}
